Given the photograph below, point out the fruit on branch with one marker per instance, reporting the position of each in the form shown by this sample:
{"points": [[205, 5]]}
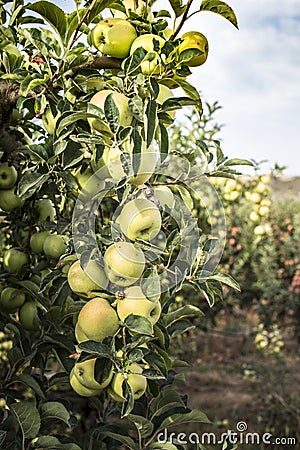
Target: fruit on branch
{"points": [[55, 245], [89, 183], [96, 320], [152, 43], [84, 373], [15, 261], [113, 37], [135, 379], [44, 211], [121, 102], [37, 241], [81, 283], [194, 40], [11, 299], [80, 389], [140, 219], [165, 196], [8, 176], [135, 302], [28, 316], [124, 263], [9, 200]]}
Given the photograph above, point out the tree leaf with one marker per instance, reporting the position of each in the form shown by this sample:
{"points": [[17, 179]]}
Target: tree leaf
{"points": [[143, 425], [55, 410], [220, 8], [139, 324], [150, 121], [126, 440], [52, 442], [178, 419], [95, 348], [112, 114], [30, 183], [28, 418], [29, 381], [53, 14], [227, 279], [177, 7], [184, 311], [238, 162]]}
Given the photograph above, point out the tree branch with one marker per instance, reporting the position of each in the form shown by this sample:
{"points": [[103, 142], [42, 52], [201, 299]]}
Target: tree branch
{"points": [[183, 19]]}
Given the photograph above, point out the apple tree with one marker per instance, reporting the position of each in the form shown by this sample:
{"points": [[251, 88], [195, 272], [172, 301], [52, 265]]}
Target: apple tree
{"points": [[97, 228]]}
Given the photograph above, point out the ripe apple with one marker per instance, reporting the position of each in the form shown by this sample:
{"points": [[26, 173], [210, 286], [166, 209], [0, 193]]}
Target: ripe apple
{"points": [[152, 62], [266, 179], [231, 196], [140, 219], [44, 211], [124, 263], [113, 37], [259, 230], [261, 187], [37, 241], [89, 182], [8, 176], [55, 246], [121, 102], [11, 299], [80, 281], [80, 389], [254, 197], [14, 261], [254, 216], [194, 39], [135, 379], [263, 211], [266, 202], [135, 302], [28, 316], [84, 372], [165, 196], [9, 200], [96, 320]]}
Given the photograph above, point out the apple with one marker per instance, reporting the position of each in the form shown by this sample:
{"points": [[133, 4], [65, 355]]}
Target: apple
{"points": [[231, 196], [263, 211], [259, 230], [152, 62], [84, 372], [96, 320], [135, 302], [55, 245], [9, 200], [135, 379], [254, 216], [28, 316], [14, 261], [44, 211], [121, 102], [164, 94], [266, 202], [194, 39], [140, 219], [80, 389], [11, 299], [165, 196], [113, 37], [261, 187], [81, 283], [8, 176], [37, 241], [124, 263], [254, 197], [265, 179]]}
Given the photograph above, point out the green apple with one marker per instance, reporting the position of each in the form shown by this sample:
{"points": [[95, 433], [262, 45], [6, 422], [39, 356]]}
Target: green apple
{"points": [[28, 316], [81, 283], [80, 389], [124, 263], [164, 94], [254, 197], [55, 245], [165, 196], [265, 179], [152, 62], [44, 211], [121, 102], [37, 241], [9, 200], [259, 230], [254, 216], [89, 182], [261, 187], [84, 372], [113, 37], [194, 39], [266, 202], [135, 302], [135, 379], [8, 176], [231, 196], [11, 299], [15, 261], [96, 320], [264, 211], [140, 219]]}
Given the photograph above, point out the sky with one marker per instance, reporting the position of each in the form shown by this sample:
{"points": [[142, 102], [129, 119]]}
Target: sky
{"points": [[254, 73]]}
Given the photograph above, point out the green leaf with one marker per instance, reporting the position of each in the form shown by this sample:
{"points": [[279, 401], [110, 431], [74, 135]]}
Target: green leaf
{"points": [[95, 348], [184, 311], [126, 440], [238, 162], [28, 418], [54, 15], [30, 183], [144, 426], [38, 153], [190, 417], [166, 400], [189, 90], [177, 7], [112, 114], [220, 8], [150, 121], [29, 381], [139, 324], [227, 279], [55, 410], [52, 442], [70, 118]]}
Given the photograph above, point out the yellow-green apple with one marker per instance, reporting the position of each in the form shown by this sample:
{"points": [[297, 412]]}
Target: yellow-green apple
{"points": [[254, 197], [96, 320], [11, 299], [14, 261], [254, 216], [113, 37], [152, 62], [44, 211], [191, 40], [124, 263], [266, 179], [121, 102], [89, 182], [37, 241], [266, 202], [261, 187], [135, 302], [9, 200], [28, 316], [140, 219], [232, 195], [55, 246], [80, 389], [84, 372], [259, 230], [263, 211], [8, 176], [135, 379], [164, 195], [84, 281]]}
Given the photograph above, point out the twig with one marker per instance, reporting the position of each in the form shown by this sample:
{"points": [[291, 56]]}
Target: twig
{"points": [[183, 19]]}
